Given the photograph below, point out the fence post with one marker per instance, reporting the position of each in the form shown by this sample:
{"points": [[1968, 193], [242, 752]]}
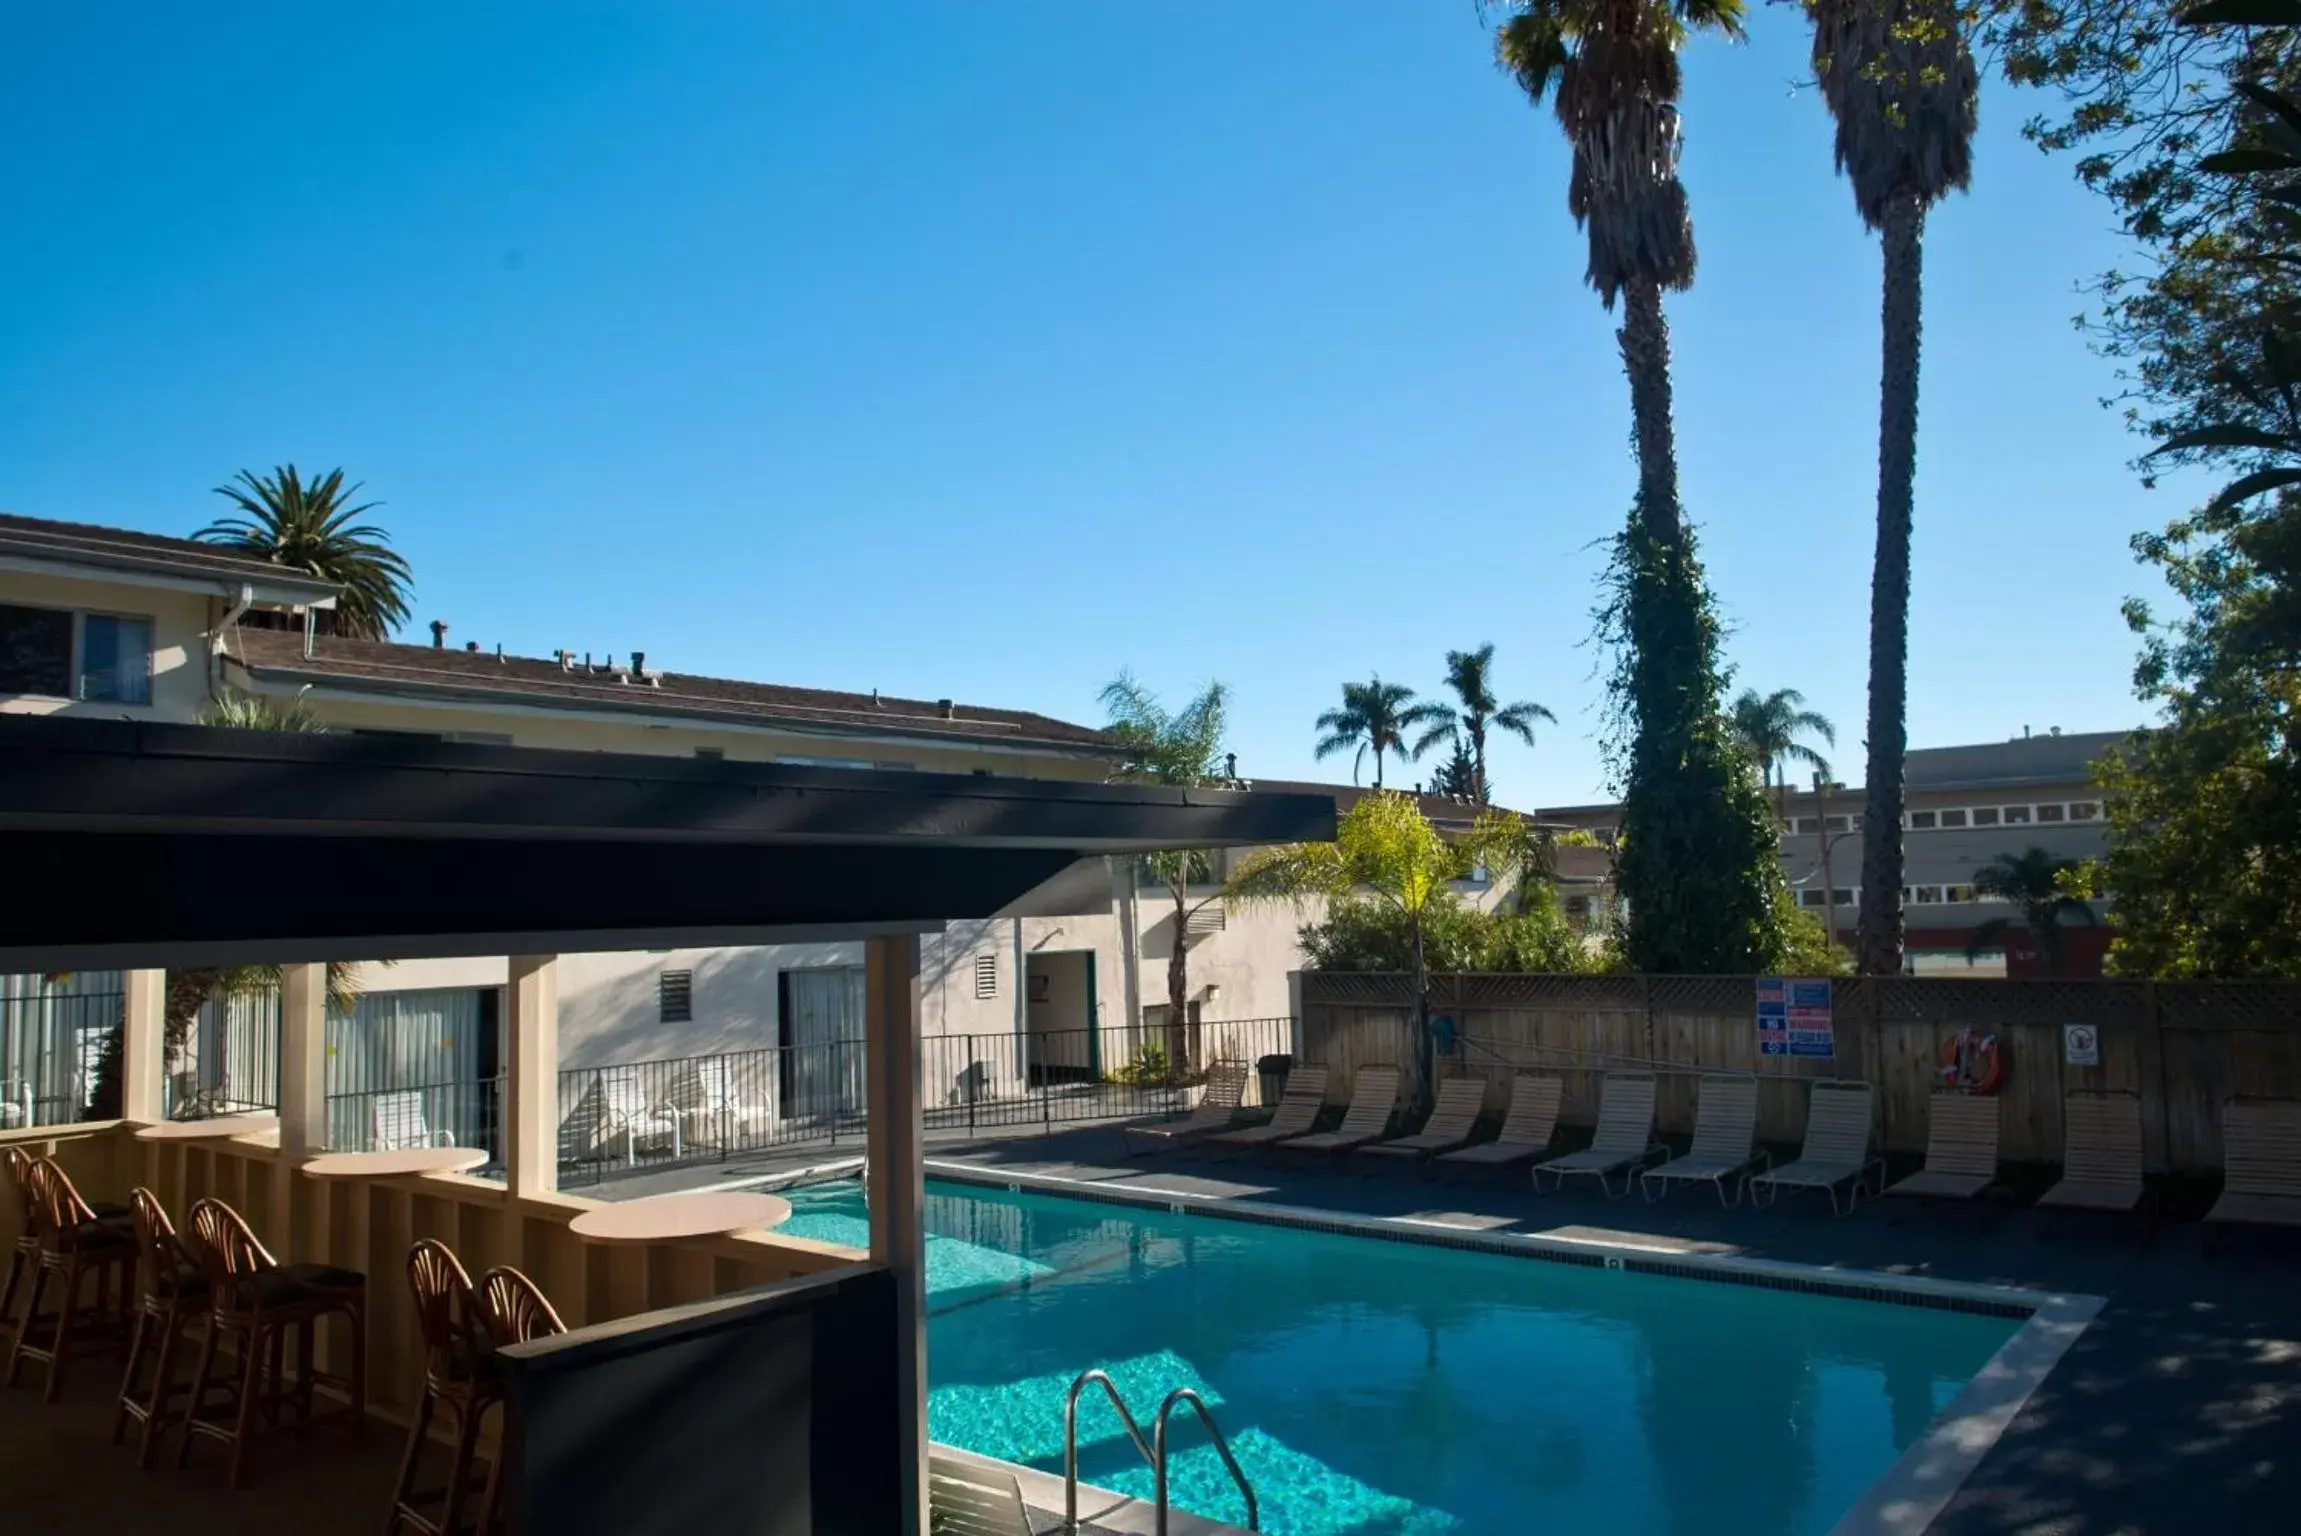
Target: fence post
{"points": [[974, 1081], [2150, 1064]]}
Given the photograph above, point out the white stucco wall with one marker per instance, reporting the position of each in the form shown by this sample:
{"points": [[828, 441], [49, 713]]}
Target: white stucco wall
{"points": [[179, 646]]}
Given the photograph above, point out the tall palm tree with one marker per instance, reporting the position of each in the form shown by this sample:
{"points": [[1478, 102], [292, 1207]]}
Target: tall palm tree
{"points": [[312, 528], [1900, 81], [1610, 68], [1470, 675], [1697, 856], [1770, 725], [1375, 717], [1181, 747], [2032, 882]]}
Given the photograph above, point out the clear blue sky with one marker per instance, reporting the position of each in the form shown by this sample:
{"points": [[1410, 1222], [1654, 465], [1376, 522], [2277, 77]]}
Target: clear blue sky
{"points": [[982, 349]]}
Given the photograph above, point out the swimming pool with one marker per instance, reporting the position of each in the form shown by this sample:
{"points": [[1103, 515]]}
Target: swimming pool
{"points": [[1375, 1388]]}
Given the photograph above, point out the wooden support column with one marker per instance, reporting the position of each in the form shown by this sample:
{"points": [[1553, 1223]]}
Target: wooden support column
{"points": [[531, 1077], [897, 1189], [303, 1097], [142, 1046]]}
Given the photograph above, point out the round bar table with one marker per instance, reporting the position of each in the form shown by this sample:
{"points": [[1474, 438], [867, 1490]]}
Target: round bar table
{"points": [[221, 1128], [665, 1218], [394, 1165]]}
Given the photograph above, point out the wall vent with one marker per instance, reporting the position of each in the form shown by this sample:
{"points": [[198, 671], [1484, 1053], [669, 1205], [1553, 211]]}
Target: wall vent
{"points": [[987, 974], [675, 997]]}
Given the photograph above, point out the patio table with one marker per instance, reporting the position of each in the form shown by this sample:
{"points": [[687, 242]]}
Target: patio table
{"points": [[395, 1165], [220, 1128], [664, 1218]]}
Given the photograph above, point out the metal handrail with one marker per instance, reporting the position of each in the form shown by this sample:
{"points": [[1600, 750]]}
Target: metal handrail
{"points": [[1152, 1451], [1071, 1441], [1221, 1446]]}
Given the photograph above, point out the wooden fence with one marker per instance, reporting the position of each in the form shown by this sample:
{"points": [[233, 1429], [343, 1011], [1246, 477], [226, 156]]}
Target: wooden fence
{"points": [[2185, 1047]]}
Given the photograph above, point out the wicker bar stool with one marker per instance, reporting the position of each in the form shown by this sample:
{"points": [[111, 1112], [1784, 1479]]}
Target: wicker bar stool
{"points": [[174, 1295], [72, 1246], [512, 1310], [24, 1253], [455, 1376], [255, 1302]]}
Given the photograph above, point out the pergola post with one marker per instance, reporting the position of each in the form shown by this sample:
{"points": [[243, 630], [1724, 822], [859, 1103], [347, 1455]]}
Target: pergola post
{"points": [[303, 1089], [531, 1077], [897, 1189], [142, 1045]]}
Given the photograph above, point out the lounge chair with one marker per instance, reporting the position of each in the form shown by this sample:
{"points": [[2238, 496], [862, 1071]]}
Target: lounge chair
{"points": [[1526, 1130], [2101, 1160], [968, 1499], [1217, 1107], [1725, 1143], [400, 1126], [1624, 1142], [718, 1112], [2261, 1165], [1297, 1112], [1373, 1099], [1837, 1149], [1451, 1120], [625, 1113], [1960, 1149]]}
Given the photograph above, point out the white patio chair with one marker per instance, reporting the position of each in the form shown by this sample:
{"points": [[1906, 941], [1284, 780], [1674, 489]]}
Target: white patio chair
{"points": [[718, 1110], [625, 1112], [399, 1124]]}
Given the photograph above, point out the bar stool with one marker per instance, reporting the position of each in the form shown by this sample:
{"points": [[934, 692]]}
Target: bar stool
{"points": [[255, 1301], [174, 1295], [455, 1375], [71, 1246], [24, 1253], [512, 1310]]}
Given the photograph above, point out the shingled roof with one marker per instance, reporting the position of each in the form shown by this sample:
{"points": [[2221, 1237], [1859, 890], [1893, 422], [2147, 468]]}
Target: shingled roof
{"points": [[421, 671], [120, 549]]}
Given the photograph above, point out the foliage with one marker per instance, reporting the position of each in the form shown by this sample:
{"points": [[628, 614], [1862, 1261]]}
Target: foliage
{"points": [[1458, 775], [1696, 858], [109, 1092], [1902, 90], [253, 712], [1151, 1067], [1805, 947], [312, 528], [2038, 883], [1359, 935], [1375, 717], [1470, 675], [1770, 727]]}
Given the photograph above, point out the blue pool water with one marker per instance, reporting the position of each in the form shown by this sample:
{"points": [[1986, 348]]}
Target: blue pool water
{"points": [[1373, 1388]]}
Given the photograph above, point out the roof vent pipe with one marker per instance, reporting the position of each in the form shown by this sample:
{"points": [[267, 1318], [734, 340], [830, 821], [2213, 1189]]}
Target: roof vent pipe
{"points": [[943, 706], [439, 634], [638, 662]]}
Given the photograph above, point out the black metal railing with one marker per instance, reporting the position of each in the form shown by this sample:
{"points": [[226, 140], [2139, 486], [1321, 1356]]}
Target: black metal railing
{"points": [[52, 1037], [649, 1114]]}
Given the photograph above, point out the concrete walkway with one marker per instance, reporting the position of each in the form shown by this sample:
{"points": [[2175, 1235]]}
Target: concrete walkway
{"points": [[2179, 1410]]}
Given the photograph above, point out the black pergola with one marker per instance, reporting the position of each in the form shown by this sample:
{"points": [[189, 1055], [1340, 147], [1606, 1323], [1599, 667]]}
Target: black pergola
{"points": [[153, 845]]}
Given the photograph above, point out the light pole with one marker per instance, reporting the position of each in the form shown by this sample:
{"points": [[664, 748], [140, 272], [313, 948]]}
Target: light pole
{"points": [[1825, 838]]}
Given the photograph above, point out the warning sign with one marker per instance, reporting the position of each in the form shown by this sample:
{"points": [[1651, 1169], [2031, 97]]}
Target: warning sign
{"points": [[1794, 1017]]}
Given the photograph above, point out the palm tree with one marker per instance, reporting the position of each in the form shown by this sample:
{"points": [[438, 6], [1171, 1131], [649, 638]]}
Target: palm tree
{"points": [[1770, 725], [310, 528], [2031, 881], [1900, 81], [1610, 68], [1469, 674], [1375, 717], [1182, 748]]}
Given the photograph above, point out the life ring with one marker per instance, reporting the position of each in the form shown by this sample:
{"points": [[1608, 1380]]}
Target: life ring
{"points": [[1972, 1062]]}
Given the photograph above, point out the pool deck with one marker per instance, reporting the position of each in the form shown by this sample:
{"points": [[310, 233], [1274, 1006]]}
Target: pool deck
{"points": [[2179, 1409]]}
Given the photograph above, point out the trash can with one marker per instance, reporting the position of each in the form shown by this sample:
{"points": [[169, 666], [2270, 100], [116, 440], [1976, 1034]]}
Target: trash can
{"points": [[1274, 1069]]}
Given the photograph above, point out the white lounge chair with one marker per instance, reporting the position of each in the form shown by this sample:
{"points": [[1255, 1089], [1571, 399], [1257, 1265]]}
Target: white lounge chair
{"points": [[2261, 1166], [1837, 1149], [1961, 1140], [2102, 1160], [1526, 1131], [1373, 1099], [1452, 1118], [1297, 1112], [966, 1499], [624, 1112], [1624, 1142], [717, 1111], [1217, 1107], [399, 1126], [1725, 1143]]}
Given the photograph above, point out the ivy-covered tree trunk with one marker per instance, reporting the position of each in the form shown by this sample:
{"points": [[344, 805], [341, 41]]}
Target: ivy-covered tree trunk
{"points": [[1697, 861], [1425, 1058], [1178, 980], [1878, 932]]}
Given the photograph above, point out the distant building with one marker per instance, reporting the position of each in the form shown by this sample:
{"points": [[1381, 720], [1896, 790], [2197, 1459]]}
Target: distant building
{"points": [[1962, 807]]}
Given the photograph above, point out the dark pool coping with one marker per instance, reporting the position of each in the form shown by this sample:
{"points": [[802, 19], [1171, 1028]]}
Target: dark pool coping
{"points": [[1912, 1492]]}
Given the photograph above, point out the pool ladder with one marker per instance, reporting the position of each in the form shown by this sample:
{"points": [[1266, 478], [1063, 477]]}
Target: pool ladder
{"points": [[1152, 1450]]}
